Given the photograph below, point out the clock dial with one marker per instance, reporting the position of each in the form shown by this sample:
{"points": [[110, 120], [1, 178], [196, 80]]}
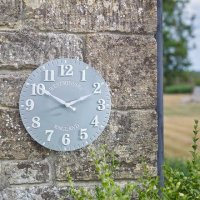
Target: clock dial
{"points": [[65, 104]]}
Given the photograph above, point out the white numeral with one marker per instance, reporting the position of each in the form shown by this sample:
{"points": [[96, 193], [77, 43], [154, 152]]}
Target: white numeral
{"points": [[101, 105], [49, 75], [65, 139], [35, 122], [95, 121], [66, 70], [38, 89], [83, 134], [97, 87], [29, 104], [83, 75], [49, 134]]}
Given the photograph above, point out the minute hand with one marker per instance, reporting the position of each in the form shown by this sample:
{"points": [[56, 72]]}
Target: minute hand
{"points": [[77, 100], [58, 99]]}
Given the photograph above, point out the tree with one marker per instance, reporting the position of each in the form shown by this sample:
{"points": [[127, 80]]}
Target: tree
{"points": [[177, 31]]}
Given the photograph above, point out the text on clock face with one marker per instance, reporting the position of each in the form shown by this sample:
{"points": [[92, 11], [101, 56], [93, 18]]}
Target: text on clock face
{"points": [[39, 89], [64, 71]]}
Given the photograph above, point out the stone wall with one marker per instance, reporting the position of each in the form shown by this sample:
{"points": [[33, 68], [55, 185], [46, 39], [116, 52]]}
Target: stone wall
{"points": [[117, 37]]}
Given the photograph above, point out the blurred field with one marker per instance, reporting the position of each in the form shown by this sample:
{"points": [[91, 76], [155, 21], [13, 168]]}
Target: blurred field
{"points": [[178, 124]]}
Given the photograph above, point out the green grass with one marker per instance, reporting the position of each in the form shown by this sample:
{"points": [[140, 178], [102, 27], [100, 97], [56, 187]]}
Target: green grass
{"points": [[178, 124], [174, 106], [183, 110]]}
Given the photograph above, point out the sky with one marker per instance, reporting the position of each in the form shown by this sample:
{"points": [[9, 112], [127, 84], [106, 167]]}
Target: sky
{"points": [[194, 8]]}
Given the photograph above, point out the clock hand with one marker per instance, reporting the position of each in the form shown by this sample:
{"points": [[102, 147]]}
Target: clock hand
{"points": [[59, 100], [77, 100]]}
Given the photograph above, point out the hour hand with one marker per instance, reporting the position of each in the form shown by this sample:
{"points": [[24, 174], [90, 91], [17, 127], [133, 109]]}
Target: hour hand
{"points": [[58, 100], [77, 100]]}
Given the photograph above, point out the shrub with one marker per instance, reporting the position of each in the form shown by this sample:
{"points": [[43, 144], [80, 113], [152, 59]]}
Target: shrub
{"points": [[180, 183], [197, 82], [105, 163], [178, 89], [177, 164]]}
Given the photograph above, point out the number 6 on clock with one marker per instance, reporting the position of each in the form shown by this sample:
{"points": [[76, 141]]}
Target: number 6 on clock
{"points": [[65, 139]]}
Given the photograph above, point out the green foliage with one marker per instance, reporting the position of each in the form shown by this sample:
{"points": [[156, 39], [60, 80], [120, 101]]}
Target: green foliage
{"points": [[197, 82], [178, 89], [193, 77], [177, 164], [176, 35], [180, 183], [196, 78], [105, 163], [147, 185]]}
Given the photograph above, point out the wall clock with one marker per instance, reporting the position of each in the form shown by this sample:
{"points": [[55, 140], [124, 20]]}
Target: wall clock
{"points": [[65, 104]]}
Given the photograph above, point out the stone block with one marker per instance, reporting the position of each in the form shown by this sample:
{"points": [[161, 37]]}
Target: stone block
{"points": [[128, 63], [30, 49], [10, 13], [45, 192], [131, 135], [91, 15], [21, 172], [10, 88], [4, 183], [15, 143]]}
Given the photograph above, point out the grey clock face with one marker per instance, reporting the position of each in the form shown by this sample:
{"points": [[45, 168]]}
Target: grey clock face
{"points": [[65, 104]]}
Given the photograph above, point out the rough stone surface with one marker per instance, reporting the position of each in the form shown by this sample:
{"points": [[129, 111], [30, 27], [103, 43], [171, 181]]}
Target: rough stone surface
{"points": [[91, 15], [10, 13], [128, 63], [117, 38], [4, 180], [34, 193], [132, 135], [30, 49], [125, 128], [15, 143], [46, 192], [26, 172], [123, 61], [10, 88]]}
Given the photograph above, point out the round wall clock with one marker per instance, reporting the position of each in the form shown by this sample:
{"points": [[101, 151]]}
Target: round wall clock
{"points": [[65, 104]]}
